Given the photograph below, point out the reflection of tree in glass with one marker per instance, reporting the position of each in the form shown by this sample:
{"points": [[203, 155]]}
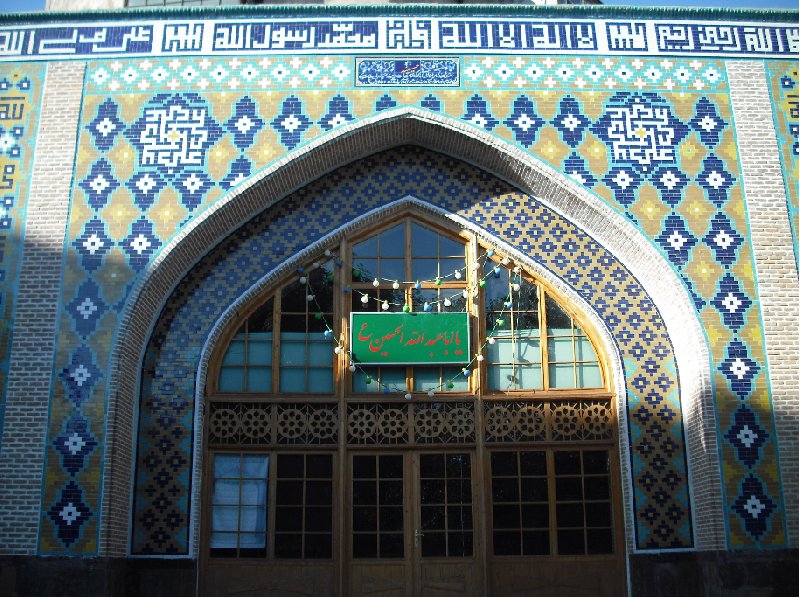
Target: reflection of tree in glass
{"points": [[261, 319], [557, 319]]}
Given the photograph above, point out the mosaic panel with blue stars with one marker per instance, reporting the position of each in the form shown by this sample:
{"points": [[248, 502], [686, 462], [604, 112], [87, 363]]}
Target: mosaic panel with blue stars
{"points": [[20, 94], [161, 140]]}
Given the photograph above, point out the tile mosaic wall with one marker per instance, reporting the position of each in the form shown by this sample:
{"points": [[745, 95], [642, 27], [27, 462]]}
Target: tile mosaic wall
{"points": [[163, 138], [20, 92], [654, 412], [785, 91]]}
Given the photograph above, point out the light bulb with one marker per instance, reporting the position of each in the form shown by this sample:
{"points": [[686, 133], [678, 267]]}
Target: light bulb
{"points": [[303, 280], [375, 283], [408, 396], [426, 307], [479, 358], [431, 393], [517, 269], [516, 287], [476, 266], [465, 293], [327, 252], [447, 302], [490, 340], [364, 299], [396, 285], [352, 367], [385, 305], [315, 265], [457, 274], [338, 350], [309, 297]]}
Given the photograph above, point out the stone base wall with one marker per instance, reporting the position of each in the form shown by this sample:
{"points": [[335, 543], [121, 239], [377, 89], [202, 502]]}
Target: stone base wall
{"points": [[701, 574], [715, 574]]}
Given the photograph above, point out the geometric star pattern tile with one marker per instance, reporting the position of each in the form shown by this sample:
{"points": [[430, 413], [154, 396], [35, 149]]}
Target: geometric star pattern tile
{"points": [[647, 136]]}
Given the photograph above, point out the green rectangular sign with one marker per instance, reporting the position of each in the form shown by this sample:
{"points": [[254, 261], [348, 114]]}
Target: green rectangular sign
{"points": [[410, 338]]}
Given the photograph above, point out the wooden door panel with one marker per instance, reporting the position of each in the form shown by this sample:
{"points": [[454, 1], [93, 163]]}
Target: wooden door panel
{"points": [[445, 579], [571, 578], [380, 580]]}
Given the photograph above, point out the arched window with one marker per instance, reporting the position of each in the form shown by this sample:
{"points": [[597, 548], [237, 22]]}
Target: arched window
{"points": [[342, 465], [285, 345]]}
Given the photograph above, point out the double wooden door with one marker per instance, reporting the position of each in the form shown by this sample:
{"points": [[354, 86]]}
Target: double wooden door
{"points": [[412, 521]]}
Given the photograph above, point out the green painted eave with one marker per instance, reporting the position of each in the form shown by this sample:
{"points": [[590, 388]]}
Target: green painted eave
{"points": [[587, 12]]}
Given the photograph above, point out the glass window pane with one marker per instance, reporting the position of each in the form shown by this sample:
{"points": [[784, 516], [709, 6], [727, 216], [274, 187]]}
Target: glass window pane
{"points": [[364, 270], [393, 269], [320, 381], [560, 349], [226, 466], [226, 492], [424, 241], [562, 376], [259, 352], [225, 518], [589, 375], [293, 380], [394, 377], [255, 466], [360, 381], [253, 519], [584, 351], [320, 352], [366, 248], [453, 375], [254, 492], [259, 379], [529, 351], [447, 267], [501, 377], [235, 353], [506, 543], [393, 242], [426, 379], [530, 377], [449, 247], [424, 269], [504, 464], [558, 322], [231, 379], [292, 353]]}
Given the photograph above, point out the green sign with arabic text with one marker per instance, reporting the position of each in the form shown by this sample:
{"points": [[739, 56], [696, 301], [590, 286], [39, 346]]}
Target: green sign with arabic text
{"points": [[410, 338]]}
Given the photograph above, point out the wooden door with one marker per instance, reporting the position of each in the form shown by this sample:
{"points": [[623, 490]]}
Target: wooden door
{"points": [[411, 521]]}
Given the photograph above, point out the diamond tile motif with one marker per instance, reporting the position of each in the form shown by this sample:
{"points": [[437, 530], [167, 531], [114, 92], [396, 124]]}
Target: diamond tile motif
{"points": [[754, 506], [746, 436], [638, 133], [69, 513]]}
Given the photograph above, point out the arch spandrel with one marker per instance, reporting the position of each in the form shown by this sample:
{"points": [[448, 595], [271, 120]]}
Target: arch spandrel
{"points": [[575, 260]]}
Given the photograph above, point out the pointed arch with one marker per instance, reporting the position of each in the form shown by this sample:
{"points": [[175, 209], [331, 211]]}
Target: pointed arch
{"points": [[463, 142]]}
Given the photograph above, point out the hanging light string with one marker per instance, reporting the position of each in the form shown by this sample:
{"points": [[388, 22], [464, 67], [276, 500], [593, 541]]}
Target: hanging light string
{"points": [[466, 371]]}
